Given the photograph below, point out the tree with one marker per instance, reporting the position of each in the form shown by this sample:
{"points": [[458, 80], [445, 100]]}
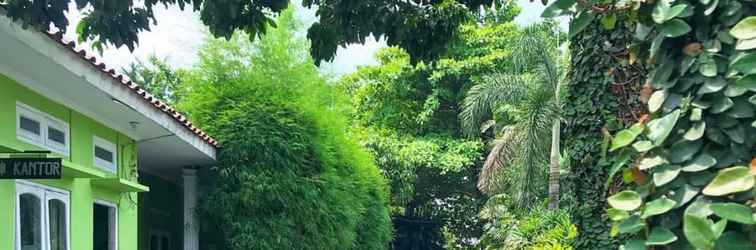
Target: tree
{"points": [[290, 176], [423, 28], [157, 77], [533, 90]]}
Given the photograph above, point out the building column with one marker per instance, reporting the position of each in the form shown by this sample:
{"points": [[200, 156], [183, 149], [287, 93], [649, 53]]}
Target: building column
{"points": [[191, 224]]}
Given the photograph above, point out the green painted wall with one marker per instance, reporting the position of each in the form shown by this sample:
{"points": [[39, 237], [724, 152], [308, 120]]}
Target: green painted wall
{"points": [[82, 192]]}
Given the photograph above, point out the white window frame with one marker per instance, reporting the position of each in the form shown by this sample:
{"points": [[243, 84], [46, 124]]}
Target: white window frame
{"points": [[60, 126], [101, 163], [32, 114], [45, 121], [112, 221], [45, 194]]}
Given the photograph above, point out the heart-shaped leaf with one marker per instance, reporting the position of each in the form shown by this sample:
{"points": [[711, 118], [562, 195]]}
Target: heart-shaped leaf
{"points": [[734, 212], [657, 207], [698, 232], [684, 150], [695, 132], [616, 214], [684, 194], [721, 104], [745, 29], [712, 85], [622, 139], [730, 180], [700, 163], [745, 64], [660, 128], [660, 236], [665, 174], [625, 200], [675, 28]]}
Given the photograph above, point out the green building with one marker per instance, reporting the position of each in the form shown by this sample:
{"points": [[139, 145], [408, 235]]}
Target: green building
{"points": [[128, 161]]}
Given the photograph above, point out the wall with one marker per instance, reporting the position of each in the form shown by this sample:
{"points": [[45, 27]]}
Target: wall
{"points": [[82, 192]]}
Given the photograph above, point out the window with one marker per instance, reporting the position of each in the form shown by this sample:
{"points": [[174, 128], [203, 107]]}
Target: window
{"points": [[42, 218], [159, 240], [57, 136], [105, 154], [29, 125], [40, 129], [105, 218]]}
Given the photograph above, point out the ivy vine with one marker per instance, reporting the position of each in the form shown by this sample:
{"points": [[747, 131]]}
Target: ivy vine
{"points": [[690, 164]]}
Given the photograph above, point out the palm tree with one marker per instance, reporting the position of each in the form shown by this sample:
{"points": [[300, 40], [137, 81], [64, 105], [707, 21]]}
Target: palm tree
{"points": [[532, 88]]}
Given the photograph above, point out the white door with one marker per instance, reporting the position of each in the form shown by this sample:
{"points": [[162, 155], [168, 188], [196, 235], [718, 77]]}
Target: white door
{"points": [[42, 218]]}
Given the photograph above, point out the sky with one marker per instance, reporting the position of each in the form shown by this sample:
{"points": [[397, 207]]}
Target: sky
{"points": [[179, 34]]}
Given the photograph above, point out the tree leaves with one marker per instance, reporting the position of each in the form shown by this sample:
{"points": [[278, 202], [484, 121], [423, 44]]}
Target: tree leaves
{"points": [[745, 29], [625, 200], [730, 180]]}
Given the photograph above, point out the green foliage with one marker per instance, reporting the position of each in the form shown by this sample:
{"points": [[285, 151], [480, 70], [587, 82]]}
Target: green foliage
{"points": [[289, 175], [408, 115], [601, 95], [423, 28], [536, 229], [530, 88], [700, 58], [157, 77]]}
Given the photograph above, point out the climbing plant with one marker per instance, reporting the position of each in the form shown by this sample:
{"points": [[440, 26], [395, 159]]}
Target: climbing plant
{"points": [[599, 95], [688, 166]]}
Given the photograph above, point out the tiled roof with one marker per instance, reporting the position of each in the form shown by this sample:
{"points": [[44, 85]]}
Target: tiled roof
{"points": [[133, 87]]}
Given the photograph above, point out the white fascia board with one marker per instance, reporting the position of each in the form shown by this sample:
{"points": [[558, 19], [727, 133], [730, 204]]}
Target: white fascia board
{"points": [[102, 81]]}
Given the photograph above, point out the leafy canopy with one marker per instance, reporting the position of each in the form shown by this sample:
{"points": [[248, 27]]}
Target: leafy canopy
{"points": [[290, 176], [423, 28]]}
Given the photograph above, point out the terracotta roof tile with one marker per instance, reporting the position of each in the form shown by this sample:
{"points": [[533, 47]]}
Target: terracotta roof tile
{"points": [[133, 87]]}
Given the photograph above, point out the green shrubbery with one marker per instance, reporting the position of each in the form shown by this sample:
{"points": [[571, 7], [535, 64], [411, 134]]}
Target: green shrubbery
{"points": [[289, 175], [515, 229]]}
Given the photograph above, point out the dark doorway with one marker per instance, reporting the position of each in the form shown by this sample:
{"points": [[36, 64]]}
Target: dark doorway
{"points": [[104, 231]]}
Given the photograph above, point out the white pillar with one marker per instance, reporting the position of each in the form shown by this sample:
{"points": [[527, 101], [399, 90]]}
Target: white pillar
{"points": [[191, 224]]}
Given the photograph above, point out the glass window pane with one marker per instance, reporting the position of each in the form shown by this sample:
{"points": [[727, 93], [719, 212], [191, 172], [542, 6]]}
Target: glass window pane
{"points": [[29, 125], [57, 223], [103, 154], [56, 135], [30, 222]]}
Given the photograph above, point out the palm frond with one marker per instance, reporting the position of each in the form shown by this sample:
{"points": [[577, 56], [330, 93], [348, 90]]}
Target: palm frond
{"points": [[494, 90], [501, 156], [535, 141]]}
